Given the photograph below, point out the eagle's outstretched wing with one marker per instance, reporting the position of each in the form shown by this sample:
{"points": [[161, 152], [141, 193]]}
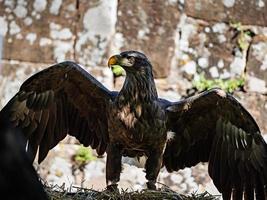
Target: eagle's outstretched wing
{"points": [[62, 99], [214, 127]]}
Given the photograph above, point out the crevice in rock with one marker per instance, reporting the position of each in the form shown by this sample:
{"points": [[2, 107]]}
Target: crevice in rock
{"points": [[78, 16], [248, 50]]}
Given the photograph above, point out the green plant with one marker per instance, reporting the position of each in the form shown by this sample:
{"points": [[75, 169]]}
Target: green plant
{"points": [[229, 85], [83, 155]]}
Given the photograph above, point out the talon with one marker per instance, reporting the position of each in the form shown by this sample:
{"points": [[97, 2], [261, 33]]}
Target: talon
{"points": [[151, 185], [113, 188]]}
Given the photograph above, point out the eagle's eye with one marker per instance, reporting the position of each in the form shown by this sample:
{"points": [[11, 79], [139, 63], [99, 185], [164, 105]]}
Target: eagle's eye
{"points": [[131, 59]]}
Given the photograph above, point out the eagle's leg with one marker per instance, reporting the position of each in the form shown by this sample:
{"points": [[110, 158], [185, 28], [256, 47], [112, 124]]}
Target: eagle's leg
{"points": [[113, 166], [153, 165]]}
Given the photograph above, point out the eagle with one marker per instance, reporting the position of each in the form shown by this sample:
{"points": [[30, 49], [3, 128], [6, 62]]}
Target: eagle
{"points": [[211, 126]]}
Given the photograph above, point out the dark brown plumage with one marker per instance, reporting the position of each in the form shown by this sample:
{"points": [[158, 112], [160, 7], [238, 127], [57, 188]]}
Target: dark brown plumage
{"points": [[210, 127], [18, 178]]}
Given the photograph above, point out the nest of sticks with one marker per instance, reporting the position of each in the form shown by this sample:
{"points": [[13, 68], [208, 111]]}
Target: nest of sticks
{"points": [[59, 193]]}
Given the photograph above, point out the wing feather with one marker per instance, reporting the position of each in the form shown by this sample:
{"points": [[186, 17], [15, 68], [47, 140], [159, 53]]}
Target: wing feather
{"points": [[213, 126], [62, 99]]}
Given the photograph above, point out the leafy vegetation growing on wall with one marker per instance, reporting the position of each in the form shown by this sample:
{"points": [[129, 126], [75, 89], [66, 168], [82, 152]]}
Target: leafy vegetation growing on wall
{"points": [[229, 85]]}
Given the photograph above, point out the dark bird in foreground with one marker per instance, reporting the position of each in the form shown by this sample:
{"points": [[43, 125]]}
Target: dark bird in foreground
{"points": [[209, 127], [18, 178]]}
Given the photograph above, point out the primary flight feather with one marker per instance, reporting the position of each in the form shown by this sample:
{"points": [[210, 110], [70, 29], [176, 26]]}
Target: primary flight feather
{"points": [[209, 127]]}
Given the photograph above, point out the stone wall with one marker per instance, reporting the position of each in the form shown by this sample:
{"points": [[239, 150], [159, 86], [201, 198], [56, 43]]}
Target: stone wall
{"points": [[183, 38]]}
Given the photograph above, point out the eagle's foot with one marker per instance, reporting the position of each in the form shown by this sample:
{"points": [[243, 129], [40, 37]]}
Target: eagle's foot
{"points": [[151, 185], [113, 188]]}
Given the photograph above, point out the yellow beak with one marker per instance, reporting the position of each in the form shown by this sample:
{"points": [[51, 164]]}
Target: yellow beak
{"points": [[113, 60]]}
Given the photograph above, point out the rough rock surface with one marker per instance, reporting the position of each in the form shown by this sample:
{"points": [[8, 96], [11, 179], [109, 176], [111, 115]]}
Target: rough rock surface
{"points": [[257, 65], [245, 11], [44, 28], [95, 29], [205, 48], [149, 26]]}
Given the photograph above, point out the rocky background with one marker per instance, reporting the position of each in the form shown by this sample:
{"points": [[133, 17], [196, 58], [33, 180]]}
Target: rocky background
{"points": [[189, 42]]}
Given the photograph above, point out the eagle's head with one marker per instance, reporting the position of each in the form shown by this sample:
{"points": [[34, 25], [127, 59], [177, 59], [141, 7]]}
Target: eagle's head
{"points": [[139, 76], [132, 62]]}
